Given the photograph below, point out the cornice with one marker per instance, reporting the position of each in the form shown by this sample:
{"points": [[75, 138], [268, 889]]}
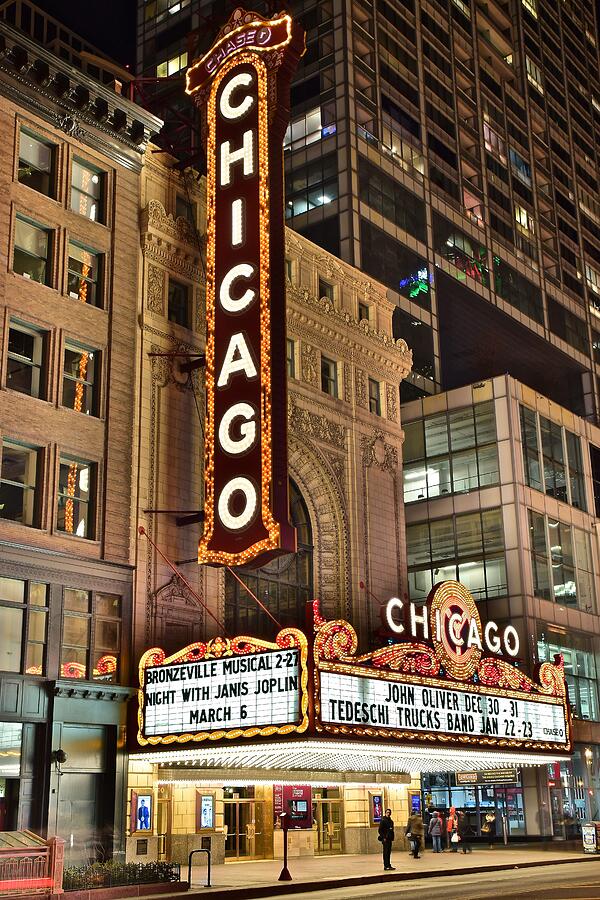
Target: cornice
{"points": [[157, 250], [155, 217], [66, 98], [334, 268], [320, 322]]}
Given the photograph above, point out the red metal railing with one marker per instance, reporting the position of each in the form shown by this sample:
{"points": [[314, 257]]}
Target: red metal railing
{"points": [[34, 867]]}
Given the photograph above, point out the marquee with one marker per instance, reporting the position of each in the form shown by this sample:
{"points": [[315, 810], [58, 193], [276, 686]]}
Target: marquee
{"points": [[441, 691], [242, 87]]}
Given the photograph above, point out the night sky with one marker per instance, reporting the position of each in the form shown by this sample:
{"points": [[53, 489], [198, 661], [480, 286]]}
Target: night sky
{"points": [[107, 24]]}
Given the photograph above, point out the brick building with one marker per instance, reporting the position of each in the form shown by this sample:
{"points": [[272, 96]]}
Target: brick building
{"points": [[70, 182]]}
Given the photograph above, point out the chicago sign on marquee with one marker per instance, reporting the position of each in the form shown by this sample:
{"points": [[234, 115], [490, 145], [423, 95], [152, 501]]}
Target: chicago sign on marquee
{"points": [[242, 87], [437, 687]]}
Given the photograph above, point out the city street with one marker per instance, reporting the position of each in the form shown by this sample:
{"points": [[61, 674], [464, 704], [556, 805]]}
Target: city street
{"points": [[577, 882]]}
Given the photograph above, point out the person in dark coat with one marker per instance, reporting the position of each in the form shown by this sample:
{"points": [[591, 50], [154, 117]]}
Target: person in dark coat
{"points": [[386, 836], [465, 833]]}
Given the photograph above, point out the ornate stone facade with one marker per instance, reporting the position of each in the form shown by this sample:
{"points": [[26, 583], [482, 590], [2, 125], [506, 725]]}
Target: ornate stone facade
{"points": [[341, 454]]}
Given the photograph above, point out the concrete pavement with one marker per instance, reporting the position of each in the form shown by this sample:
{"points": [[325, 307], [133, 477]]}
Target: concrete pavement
{"points": [[252, 879]]}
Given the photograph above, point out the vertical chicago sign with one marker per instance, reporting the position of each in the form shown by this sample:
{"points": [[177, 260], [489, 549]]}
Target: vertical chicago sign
{"points": [[242, 87]]}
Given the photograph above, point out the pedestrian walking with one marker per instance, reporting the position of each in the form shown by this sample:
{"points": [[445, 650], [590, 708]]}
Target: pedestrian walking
{"points": [[465, 832], [451, 829], [414, 832], [435, 830], [386, 836]]}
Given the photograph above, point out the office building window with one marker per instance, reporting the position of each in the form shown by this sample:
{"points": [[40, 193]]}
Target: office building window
{"points": [[32, 251], [18, 483], [91, 637], [290, 358], [80, 377], [304, 130], [84, 274], [311, 186], [329, 380], [26, 359], [23, 625], [325, 290], [76, 493], [552, 459], [172, 66], [534, 74], [450, 453], [467, 548], [36, 163], [179, 303], [561, 561], [374, 397], [580, 669], [86, 191]]}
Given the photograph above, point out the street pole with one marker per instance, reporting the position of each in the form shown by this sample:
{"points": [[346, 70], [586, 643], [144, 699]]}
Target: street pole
{"points": [[284, 875]]}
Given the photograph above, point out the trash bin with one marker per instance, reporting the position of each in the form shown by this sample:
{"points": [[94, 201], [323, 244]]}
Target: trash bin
{"points": [[590, 835]]}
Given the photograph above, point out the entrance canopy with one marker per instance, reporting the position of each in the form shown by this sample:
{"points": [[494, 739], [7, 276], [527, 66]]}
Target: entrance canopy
{"points": [[326, 761]]}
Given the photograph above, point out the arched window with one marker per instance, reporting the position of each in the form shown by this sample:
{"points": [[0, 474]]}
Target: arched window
{"points": [[284, 585]]}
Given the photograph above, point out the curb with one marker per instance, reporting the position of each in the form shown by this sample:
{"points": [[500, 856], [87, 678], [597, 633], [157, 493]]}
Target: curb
{"points": [[252, 892]]}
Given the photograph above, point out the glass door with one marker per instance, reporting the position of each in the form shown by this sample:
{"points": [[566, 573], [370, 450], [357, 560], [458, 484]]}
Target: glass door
{"points": [[328, 821], [244, 829]]}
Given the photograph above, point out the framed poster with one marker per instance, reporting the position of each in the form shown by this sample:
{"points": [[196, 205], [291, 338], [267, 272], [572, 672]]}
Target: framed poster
{"points": [[414, 802], [141, 810], [375, 807], [205, 811]]}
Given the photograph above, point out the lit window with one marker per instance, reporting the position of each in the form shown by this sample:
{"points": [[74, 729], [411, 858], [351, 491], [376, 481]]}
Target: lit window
{"points": [[179, 303], [592, 278], [83, 279], [23, 618], [79, 379], [18, 482], [172, 66], [493, 142], [464, 8], [531, 7], [25, 367], [523, 219], [374, 397], [303, 131], [36, 163], [534, 74], [290, 359], [363, 312], [91, 635], [561, 562], [329, 382], [325, 290], [86, 191], [32, 251], [75, 496]]}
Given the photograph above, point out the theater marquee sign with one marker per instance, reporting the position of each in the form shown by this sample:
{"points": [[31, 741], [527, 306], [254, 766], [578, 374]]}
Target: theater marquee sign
{"points": [[242, 87], [438, 686]]}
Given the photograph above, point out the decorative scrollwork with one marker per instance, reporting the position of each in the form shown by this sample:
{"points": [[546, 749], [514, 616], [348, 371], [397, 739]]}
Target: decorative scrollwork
{"points": [[496, 673], [414, 659], [551, 677]]}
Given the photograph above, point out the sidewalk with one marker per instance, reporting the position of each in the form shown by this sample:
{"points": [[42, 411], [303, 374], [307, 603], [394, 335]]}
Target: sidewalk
{"points": [[258, 878]]}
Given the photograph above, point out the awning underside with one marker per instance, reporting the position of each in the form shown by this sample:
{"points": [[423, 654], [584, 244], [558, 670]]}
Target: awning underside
{"points": [[366, 760]]}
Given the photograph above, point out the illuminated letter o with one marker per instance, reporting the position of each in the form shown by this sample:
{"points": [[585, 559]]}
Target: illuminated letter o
{"points": [[244, 79], [247, 429], [511, 640], [243, 270], [245, 486]]}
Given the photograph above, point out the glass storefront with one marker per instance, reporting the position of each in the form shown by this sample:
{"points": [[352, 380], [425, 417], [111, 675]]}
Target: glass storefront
{"points": [[575, 791], [484, 804]]}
